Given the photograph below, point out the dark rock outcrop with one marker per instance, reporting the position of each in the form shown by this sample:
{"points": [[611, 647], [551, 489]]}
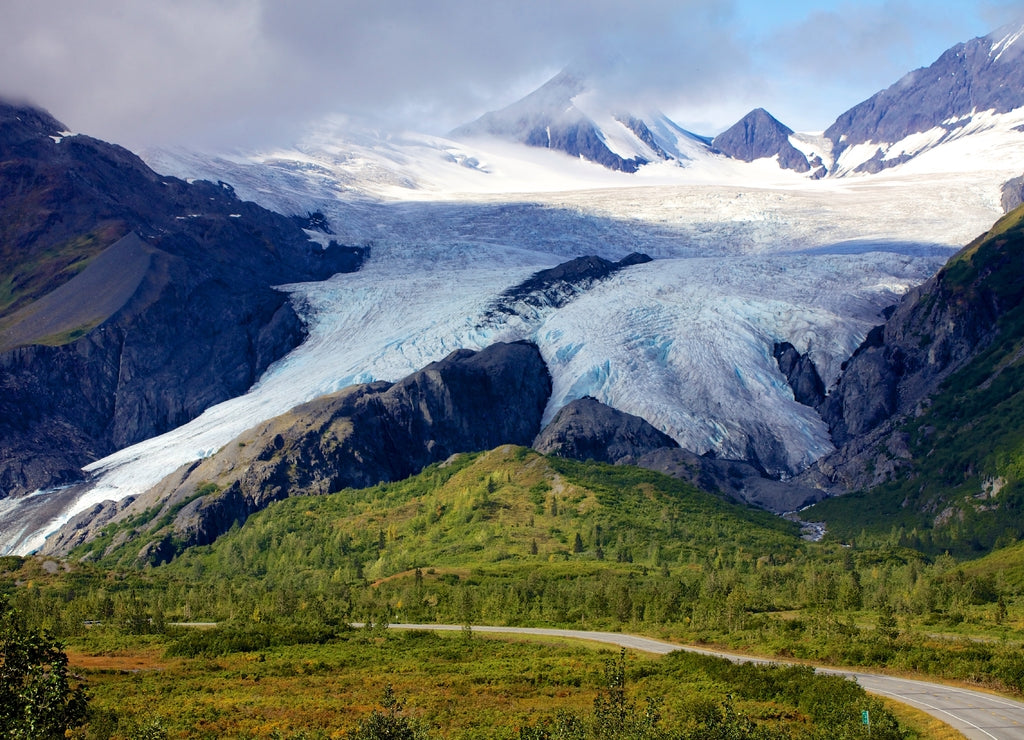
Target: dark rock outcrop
{"points": [[582, 139], [134, 302], [586, 429], [759, 135], [801, 373], [985, 74], [936, 328], [313, 221], [866, 461], [557, 286], [357, 437], [734, 479]]}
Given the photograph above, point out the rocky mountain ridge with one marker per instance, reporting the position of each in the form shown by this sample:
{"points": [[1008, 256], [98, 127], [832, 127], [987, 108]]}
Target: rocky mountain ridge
{"points": [[131, 301], [926, 413], [358, 437], [759, 135], [937, 328], [586, 429], [559, 116], [977, 77], [984, 74]]}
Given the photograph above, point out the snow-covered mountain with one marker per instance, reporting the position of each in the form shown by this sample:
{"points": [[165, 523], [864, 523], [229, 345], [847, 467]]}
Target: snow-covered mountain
{"points": [[964, 113], [974, 89], [568, 114]]}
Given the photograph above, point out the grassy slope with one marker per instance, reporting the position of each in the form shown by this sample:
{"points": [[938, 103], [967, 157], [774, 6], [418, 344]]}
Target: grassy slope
{"points": [[74, 308], [24, 280], [963, 489], [1007, 564], [508, 506], [504, 516]]}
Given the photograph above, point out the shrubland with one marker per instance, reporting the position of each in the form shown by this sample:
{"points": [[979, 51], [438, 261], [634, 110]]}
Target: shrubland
{"points": [[510, 537]]}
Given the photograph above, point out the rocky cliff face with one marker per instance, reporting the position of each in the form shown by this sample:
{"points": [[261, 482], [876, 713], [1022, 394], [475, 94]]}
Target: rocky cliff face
{"points": [[733, 479], [938, 329], [801, 374], [587, 429], [1012, 194], [100, 350], [355, 438], [581, 139]]}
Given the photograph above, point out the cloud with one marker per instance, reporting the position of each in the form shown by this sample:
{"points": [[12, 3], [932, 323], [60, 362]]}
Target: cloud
{"points": [[436, 65], [147, 71], [135, 70], [252, 72]]}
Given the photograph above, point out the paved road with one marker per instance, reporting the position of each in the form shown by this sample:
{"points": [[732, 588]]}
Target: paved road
{"points": [[974, 713]]}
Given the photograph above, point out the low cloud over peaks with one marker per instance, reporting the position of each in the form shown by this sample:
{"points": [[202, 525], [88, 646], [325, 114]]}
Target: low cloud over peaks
{"points": [[247, 72]]}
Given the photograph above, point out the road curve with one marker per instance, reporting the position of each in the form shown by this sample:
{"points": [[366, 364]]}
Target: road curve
{"points": [[974, 713]]}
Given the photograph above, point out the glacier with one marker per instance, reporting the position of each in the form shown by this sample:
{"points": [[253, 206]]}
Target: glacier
{"points": [[746, 255]]}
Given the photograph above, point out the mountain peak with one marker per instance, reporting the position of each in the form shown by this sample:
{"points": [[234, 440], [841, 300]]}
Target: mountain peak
{"points": [[21, 122], [571, 114], [551, 102], [1007, 43], [759, 135]]}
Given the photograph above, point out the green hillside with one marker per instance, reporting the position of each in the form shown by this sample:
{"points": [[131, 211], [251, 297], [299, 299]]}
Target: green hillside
{"points": [[513, 537], [508, 537], [504, 507], [26, 279], [962, 488], [1005, 565]]}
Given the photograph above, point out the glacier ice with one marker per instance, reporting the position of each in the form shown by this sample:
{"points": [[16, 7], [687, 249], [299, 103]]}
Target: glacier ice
{"points": [[684, 341]]}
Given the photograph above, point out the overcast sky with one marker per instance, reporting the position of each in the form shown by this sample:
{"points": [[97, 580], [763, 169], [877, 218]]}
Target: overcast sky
{"points": [[216, 73]]}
